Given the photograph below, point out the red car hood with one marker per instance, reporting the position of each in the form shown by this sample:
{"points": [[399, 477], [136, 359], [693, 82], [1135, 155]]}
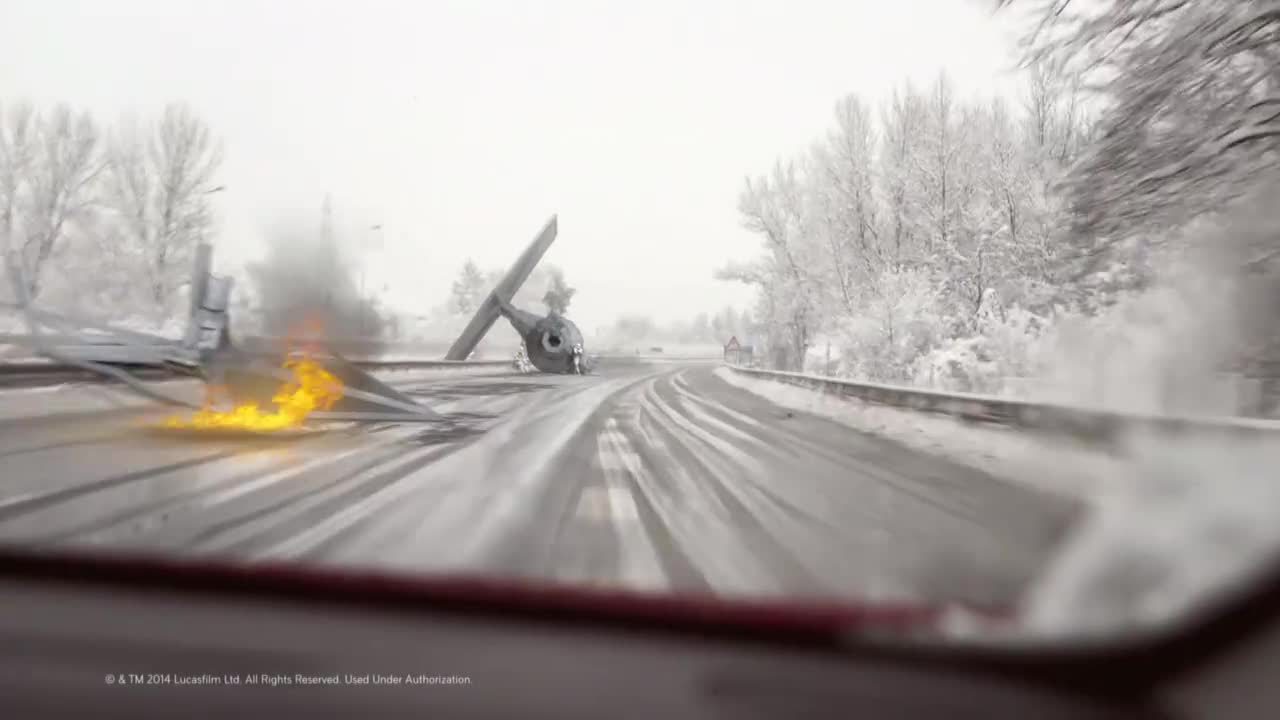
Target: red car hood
{"points": [[472, 595]]}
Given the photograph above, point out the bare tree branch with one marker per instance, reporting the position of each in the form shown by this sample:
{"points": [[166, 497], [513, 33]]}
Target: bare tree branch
{"points": [[61, 185], [160, 179]]}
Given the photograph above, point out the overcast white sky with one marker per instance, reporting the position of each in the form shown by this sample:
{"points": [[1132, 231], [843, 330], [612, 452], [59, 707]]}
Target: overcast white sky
{"points": [[461, 126]]}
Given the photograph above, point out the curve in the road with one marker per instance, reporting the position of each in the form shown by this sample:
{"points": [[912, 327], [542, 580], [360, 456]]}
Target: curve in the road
{"points": [[648, 476]]}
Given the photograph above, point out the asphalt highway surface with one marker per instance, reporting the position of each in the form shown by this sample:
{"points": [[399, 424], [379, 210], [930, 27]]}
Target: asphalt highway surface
{"points": [[649, 476]]}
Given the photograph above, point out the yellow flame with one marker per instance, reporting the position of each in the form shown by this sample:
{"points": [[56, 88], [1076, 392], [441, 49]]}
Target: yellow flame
{"points": [[312, 388]]}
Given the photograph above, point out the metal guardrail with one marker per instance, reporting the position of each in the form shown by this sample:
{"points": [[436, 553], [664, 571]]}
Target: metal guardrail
{"points": [[35, 373], [376, 365], [1090, 425], [38, 373]]}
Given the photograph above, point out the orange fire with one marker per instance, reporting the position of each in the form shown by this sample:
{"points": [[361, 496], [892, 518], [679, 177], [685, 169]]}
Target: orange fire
{"points": [[312, 388]]}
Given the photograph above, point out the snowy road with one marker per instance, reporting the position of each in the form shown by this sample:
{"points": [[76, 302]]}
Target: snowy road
{"points": [[650, 476]]}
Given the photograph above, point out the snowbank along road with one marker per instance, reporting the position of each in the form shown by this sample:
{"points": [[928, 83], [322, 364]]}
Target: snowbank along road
{"points": [[651, 476]]}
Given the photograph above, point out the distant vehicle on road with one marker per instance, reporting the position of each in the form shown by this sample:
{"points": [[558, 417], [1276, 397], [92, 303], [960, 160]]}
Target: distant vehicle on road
{"points": [[655, 349]]}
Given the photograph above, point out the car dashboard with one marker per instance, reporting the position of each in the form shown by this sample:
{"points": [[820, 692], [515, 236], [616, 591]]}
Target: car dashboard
{"points": [[94, 639]]}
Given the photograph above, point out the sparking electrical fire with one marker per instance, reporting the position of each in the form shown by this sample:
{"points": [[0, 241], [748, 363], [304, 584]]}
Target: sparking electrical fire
{"points": [[312, 388]]}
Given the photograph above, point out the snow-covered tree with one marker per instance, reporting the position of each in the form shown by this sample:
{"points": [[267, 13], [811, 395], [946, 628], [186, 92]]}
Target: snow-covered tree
{"points": [[845, 192], [907, 226], [1181, 162], [558, 293], [700, 328], [728, 322], [938, 168], [898, 324], [534, 290], [901, 123], [159, 180], [52, 164], [105, 218], [776, 208], [1189, 94], [17, 155], [469, 289]]}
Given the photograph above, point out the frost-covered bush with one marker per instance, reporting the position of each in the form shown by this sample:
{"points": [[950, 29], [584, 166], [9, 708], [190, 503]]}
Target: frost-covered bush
{"points": [[903, 319], [1006, 345]]}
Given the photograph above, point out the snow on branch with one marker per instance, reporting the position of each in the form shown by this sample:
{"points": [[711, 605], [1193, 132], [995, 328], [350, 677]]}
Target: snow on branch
{"points": [[105, 215]]}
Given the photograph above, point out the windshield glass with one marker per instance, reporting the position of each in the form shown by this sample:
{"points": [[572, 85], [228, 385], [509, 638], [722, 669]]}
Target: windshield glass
{"points": [[968, 305]]}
